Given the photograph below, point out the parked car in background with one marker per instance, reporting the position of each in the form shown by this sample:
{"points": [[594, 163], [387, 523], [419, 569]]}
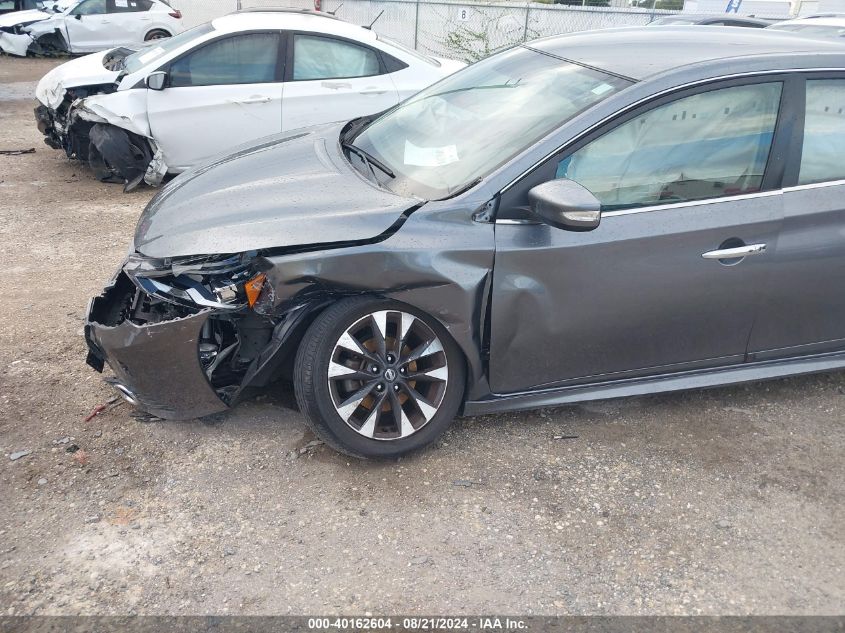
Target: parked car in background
{"points": [[14, 39], [825, 25], [85, 26], [8, 6], [585, 216], [716, 19], [240, 77]]}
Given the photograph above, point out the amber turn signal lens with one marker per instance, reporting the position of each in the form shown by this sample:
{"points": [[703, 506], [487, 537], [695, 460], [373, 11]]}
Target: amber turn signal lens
{"points": [[253, 288]]}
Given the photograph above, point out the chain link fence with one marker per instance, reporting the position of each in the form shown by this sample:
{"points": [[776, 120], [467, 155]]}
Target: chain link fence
{"points": [[472, 30]]}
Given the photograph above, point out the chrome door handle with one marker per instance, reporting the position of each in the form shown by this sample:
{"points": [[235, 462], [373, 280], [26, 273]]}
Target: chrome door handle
{"points": [[733, 253], [256, 99]]}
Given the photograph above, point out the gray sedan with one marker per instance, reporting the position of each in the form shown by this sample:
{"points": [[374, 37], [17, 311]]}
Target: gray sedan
{"points": [[585, 216]]}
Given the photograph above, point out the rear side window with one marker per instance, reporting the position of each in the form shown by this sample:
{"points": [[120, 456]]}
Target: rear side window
{"points": [[243, 59], [7, 5], [132, 6], [328, 58], [703, 146], [823, 156]]}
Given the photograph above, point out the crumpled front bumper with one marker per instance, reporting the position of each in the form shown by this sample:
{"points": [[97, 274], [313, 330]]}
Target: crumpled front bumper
{"points": [[157, 363]]}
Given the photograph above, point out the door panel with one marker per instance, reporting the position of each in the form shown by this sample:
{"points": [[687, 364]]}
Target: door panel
{"points": [[643, 293], [89, 33], [195, 123], [631, 297], [129, 24], [325, 101], [221, 95], [805, 299], [333, 80], [805, 306]]}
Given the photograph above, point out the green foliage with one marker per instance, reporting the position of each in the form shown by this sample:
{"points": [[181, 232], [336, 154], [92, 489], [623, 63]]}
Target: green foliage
{"points": [[472, 44]]}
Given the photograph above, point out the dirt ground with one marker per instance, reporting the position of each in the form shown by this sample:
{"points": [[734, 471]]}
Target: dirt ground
{"points": [[727, 501]]}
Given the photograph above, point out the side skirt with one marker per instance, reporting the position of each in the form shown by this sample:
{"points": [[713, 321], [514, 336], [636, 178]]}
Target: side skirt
{"points": [[697, 379]]}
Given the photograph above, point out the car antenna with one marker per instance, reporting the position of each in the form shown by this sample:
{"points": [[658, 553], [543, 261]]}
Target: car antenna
{"points": [[336, 9], [370, 28]]}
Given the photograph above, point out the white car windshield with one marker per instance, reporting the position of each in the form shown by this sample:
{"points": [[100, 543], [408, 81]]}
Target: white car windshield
{"points": [[462, 128], [149, 54]]}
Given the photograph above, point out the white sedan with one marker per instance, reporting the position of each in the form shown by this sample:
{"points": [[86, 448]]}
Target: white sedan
{"points": [[168, 107], [85, 26]]}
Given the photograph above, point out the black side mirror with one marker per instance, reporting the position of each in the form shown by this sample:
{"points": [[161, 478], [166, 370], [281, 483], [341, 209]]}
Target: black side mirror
{"points": [[156, 80], [564, 204], [78, 16]]}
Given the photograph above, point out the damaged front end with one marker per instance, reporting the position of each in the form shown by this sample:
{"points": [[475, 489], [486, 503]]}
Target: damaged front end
{"points": [[34, 37], [83, 112], [113, 153], [184, 336]]}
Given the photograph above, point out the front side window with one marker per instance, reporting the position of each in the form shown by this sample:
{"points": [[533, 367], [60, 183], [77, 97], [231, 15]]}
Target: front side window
{"points": [[465, 126], [327, 58], [823, 156], [703, 146], [243, 59], [90, 7]]}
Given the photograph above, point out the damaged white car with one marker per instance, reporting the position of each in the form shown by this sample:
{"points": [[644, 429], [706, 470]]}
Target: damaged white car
{"points": [[137, 116], [85, 26]]}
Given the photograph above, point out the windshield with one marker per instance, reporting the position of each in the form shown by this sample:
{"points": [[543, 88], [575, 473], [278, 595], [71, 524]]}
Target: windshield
{"points": [[136, 61], [823, 30], [462, 128]]}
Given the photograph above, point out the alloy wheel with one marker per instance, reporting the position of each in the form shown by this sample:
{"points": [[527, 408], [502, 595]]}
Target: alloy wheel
{"points": [[387, 375]]}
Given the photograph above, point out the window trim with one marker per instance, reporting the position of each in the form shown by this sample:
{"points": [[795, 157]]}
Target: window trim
{"points": [[289, 61], [280, 59], [788, 126], [791, 179]]}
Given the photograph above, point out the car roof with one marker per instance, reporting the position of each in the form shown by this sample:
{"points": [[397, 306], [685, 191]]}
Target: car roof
{"points": [[827, 20], [291, 19], [641, 52], [704, 17]]}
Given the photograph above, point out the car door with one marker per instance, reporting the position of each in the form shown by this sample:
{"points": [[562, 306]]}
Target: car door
{"points": [[130, 21], [222, 94], [805, 303], [651, 290], [333, 79], [89, 26]]}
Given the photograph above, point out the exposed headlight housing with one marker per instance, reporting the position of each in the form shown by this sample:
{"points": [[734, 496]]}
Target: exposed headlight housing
{"points": [[223, 282]]}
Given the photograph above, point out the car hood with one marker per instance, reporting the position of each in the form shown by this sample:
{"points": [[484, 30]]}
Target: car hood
{"points": [[82, 71], [290, 190], [21, 17]]}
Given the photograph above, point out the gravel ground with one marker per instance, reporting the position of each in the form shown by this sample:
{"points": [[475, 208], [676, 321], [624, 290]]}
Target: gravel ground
{"points": [[715, 502]]}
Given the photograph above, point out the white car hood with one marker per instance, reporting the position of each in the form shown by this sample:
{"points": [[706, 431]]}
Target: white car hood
{"points": [[20, 17], [82, 71]]}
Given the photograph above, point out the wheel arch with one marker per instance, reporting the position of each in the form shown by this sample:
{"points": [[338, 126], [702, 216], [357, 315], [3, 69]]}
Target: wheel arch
{"points": [[157, 29], [276, 362]]}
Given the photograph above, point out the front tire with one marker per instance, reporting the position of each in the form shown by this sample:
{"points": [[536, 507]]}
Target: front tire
{"points": [[377, 378]]}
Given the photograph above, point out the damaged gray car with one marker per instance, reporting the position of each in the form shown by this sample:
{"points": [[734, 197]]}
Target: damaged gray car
{"points": [[587, 216]]}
